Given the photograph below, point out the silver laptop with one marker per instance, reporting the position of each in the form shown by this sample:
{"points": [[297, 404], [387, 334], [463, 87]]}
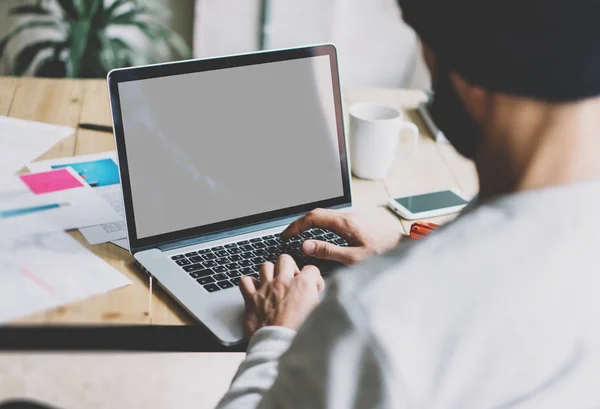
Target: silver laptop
{"points": [[217, 156]]}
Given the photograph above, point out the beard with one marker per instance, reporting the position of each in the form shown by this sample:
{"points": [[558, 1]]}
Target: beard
{"points": [[451, 117]]}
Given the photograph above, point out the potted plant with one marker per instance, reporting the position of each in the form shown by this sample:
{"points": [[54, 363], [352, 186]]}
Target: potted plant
{"points": [[82, 42]]}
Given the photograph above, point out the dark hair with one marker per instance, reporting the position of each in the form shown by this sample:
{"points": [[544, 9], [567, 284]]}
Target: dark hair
{"points": [[545, 49]]}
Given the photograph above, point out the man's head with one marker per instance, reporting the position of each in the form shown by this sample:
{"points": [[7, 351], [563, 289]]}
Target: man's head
{"points": [[541, 50], [457, 106]]}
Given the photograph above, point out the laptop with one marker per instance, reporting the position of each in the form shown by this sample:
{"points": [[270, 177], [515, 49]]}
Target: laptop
{"points": [[216, 157]]}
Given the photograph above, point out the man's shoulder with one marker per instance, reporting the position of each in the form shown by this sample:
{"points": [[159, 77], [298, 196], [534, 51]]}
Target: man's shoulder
{"points": [[479, 252], [508, 291], [473, 241]]}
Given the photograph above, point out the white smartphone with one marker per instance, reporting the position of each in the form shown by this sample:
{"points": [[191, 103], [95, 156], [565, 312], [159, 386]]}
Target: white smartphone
{"points": [[428, 204]]}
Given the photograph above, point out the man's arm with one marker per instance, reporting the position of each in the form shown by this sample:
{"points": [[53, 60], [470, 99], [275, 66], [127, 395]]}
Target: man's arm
{"points": [[281, 300], [258, 371], [321, 369]]}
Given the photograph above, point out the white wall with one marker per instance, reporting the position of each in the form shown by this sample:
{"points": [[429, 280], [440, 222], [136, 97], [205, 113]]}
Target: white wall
{"points": [[226, 27], [181, 18], [375, 46]]}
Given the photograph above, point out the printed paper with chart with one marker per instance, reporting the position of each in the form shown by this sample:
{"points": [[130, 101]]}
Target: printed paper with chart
{"points": [[49, 201], [100, 171]]}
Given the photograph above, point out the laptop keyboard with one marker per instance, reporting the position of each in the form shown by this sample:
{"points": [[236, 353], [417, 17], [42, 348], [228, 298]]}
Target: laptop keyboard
{"points": [[221, 267]]}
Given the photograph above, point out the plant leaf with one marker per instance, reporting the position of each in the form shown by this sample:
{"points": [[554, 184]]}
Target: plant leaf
{"points": [[70, 8], [101, 19], [100, 8], [120, 44], [19, 29], [78, 42], [41, 67], [26, 56], [50, 67], [91, 8], [156, 32], [107, 55], [132, 15], [179, 45], [91, 60], [125, 53], [30, 9], [108, 13]]}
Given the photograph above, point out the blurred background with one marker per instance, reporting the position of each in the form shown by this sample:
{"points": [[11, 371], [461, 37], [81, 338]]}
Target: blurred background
{"points": [[87, 38]]}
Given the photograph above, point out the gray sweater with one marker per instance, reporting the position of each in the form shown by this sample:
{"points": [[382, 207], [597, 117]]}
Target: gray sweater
{"points": [[499, 309]]}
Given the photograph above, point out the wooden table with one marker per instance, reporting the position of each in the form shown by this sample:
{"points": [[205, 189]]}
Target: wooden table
{"points": [[70, 102], [168, 380]]}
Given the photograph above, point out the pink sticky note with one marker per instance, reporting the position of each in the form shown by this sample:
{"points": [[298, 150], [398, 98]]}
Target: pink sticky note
{"points": [[51, 181]]}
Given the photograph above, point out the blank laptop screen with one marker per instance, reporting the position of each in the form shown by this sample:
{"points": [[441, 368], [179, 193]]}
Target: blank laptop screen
{"points": [[213, 146]]}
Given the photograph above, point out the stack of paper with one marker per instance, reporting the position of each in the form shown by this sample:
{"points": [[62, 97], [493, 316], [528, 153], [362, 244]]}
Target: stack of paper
{"points": [[41, 266]]}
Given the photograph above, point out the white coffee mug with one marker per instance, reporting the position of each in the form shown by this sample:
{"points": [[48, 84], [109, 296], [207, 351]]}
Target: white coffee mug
{"points": [[374, 134]]}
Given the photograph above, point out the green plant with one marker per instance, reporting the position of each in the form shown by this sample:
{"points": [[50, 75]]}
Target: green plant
{"points": [[81, 42]]}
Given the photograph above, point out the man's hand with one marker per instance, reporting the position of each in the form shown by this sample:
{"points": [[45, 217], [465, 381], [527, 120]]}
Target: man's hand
{"points": [[364, 240], [284, 296]]}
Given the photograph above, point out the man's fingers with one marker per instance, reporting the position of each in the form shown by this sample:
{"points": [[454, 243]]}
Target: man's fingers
{"points": [[320, 283], [247, 287], [329, 251], [285, 268], [321, 218], [313, 275], [267, 271]]}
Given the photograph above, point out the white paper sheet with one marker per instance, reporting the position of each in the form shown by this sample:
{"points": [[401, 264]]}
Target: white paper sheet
{"points": [[46, 271], [123, 243], [107, 185], [22, 141], [80, 206]]}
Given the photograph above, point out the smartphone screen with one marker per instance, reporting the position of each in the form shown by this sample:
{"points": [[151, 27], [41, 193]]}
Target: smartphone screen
{"points": [[431, 201]]}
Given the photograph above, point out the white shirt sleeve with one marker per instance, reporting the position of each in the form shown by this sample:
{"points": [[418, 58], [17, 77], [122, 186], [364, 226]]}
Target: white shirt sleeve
{"points": [[258, 371], [322, 368]]}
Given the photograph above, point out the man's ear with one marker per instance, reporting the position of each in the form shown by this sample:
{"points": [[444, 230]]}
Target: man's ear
{"points": [[473, 97]]}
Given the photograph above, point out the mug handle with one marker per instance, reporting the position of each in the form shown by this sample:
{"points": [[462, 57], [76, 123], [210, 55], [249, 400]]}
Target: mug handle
{"points": [[409, 127]]}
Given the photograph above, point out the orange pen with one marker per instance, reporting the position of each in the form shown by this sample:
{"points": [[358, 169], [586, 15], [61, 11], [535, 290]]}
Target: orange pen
{"points": [[418, 230]]}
